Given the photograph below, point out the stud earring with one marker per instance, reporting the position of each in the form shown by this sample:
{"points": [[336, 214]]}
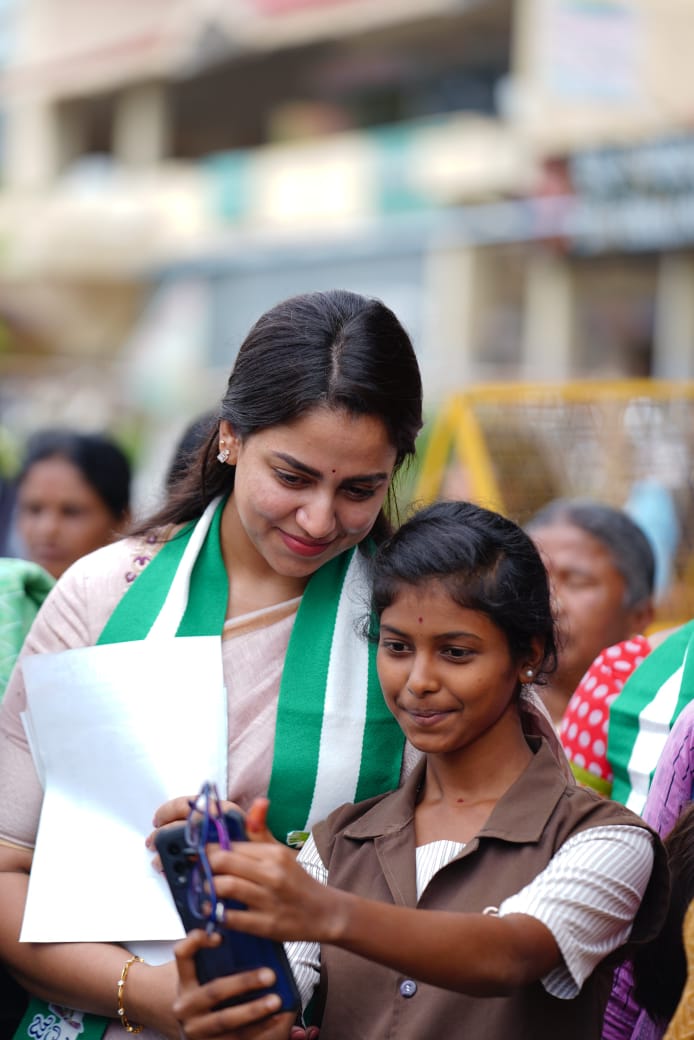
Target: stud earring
{"points": [[223, 456], [529, 674]]}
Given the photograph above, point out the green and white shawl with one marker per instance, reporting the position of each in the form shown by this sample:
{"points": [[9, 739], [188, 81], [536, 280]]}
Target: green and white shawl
{"points": [[642, 715], [335, 740]]}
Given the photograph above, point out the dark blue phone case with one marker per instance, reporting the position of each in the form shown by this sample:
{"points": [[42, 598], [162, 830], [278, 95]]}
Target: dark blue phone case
{"points": [[238, 951]]}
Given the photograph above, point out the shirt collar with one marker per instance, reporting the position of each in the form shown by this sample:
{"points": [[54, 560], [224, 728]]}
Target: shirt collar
{"points": [[520, 815]]}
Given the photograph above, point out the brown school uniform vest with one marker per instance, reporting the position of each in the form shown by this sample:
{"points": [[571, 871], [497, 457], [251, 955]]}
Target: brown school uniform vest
{"points": [[369, 849]]}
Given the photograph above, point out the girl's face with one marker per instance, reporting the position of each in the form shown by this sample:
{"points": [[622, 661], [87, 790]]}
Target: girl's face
{"points": [[307, 490], [446, 672], [60, 516]]}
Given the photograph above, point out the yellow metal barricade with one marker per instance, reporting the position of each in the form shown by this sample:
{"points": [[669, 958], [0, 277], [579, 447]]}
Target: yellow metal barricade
{"points": [[515, 446]]}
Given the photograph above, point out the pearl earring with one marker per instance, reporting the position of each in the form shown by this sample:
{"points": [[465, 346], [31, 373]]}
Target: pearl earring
{"points": [[223, 455], [529, 674]]}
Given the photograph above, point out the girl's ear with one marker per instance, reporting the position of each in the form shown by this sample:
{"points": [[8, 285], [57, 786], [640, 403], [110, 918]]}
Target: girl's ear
{"points": [[533, 662]]}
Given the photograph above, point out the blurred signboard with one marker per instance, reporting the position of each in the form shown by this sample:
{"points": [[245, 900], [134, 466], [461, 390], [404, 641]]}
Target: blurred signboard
{"points": [[634, 198], [662, 167]]}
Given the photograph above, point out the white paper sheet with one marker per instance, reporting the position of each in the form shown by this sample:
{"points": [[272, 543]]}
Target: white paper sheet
{"points": [[119, 729]]}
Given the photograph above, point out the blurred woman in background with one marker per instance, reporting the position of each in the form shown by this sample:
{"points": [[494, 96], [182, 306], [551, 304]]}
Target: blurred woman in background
{"points": [[602, 570], [73, 496]]}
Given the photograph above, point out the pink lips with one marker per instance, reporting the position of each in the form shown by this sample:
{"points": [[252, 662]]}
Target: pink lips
{"points": [[427, 718], [302, 547]]}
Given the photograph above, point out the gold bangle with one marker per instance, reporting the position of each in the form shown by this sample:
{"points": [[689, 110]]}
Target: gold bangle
{"points": [[127, 1026]]}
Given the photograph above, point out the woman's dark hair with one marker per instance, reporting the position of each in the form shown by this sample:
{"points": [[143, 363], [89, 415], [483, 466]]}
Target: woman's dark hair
{"points": [[102, 464], [196, 433], [484, 561], [660, 966], [334, 349]]}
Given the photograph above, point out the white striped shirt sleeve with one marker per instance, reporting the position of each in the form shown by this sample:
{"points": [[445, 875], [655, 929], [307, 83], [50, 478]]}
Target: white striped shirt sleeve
{"points": [[304, 957], [587, 896]]}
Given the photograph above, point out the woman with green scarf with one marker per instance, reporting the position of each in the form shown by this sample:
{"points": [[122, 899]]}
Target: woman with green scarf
{"points": [[262, 541]]}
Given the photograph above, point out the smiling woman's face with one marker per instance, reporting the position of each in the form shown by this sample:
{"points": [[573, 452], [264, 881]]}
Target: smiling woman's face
{"points": [[60, 517], [307, 490]]}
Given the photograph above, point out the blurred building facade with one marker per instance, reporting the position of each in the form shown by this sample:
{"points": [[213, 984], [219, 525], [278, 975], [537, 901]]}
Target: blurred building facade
{"points": [[514, 177]]}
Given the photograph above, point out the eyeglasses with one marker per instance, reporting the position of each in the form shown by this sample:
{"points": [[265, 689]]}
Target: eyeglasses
{"points": [[205, 824]]}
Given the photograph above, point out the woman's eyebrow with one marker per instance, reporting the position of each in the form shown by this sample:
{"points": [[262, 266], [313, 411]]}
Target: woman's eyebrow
{"points": [[295, 464], [366, 478]]}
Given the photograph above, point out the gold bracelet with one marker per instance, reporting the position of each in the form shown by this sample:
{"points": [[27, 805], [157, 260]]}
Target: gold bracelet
{"points": [[127, 1026]]}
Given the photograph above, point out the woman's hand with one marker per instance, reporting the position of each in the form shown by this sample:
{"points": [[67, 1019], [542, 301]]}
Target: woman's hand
{"points": [[177, 810], [255, 1019]]}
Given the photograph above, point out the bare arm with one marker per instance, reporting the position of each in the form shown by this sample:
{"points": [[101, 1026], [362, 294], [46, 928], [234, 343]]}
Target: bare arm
{"points": [[492, 955], [79, 975]]}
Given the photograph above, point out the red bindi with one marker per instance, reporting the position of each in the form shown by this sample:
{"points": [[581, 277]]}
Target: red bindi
{"points": [[420, 620]]}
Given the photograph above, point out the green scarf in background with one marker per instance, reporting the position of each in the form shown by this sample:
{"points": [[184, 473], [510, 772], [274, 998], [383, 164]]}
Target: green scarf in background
{"points": [[23, 588], [642, 715]]}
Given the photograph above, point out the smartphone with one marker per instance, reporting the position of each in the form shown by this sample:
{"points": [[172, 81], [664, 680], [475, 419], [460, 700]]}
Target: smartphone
{"points": [[238, 951]]}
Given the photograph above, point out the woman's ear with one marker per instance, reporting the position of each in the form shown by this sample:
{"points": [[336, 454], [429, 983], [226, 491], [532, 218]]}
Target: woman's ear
{"points": [[228, 442], [641, 617]]}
